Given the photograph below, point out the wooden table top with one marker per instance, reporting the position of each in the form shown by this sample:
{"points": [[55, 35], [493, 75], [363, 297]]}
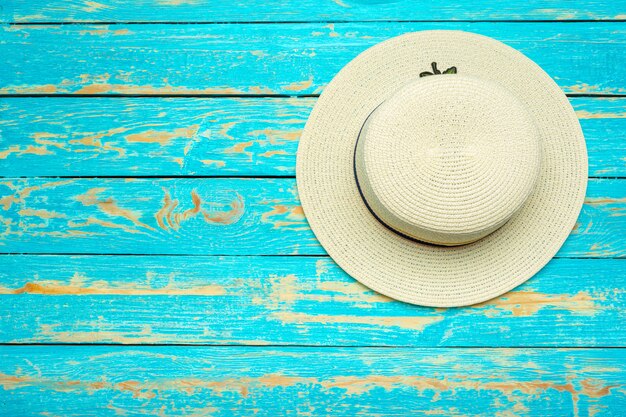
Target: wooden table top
{"points": [[155, 259]]}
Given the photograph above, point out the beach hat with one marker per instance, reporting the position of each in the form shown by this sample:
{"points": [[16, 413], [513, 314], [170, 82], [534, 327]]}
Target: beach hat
{"points": [[442, 168]]}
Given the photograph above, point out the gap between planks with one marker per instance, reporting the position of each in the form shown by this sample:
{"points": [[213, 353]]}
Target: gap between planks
{"points": [[222, 255], [167, 177], [301, 22], [248, 96], [312, 346]]}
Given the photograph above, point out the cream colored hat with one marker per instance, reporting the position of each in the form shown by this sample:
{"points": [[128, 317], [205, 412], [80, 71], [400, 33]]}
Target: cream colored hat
{"points": [[442, 168]]}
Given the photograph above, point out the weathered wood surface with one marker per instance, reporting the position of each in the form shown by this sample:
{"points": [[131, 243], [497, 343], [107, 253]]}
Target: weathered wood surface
{"points": [[216, 216], [199, 381], [291, 301], [292, 59], [67, 136], [305, 10], [319, 320]]}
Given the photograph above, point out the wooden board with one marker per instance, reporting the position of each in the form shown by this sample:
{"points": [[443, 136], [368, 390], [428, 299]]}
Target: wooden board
{"points": [[215, 216], [289, 59], [304, 10], [225, 302], [113, 136], [200, 381], [163, 136], [291, 301]]}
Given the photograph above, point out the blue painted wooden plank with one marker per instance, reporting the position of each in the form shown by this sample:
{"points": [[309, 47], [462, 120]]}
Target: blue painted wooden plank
{"points": [[305, 10], [199, 381], [291, 301], [51, 136], [602, 121], [204, 216], [156, 136], [215, 216], [292, 59]]}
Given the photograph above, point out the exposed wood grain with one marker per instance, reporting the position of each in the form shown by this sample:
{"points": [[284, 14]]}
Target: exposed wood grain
{"points": [[603, 121], [68, 136], [304, 10], [205, 216], [198, 381], [216, 216], [155, 136], [291, 301], [260, 59], [270, 300]]}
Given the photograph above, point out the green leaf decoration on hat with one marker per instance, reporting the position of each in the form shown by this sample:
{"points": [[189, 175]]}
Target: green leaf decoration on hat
{"points": [[451, 70]]}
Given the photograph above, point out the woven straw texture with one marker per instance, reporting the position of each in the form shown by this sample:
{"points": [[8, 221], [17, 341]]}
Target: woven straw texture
{"points": [[448, 159], [518, 166]]}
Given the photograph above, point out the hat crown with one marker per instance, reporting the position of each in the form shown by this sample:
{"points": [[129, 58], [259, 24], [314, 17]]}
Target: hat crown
{"points": [[448, 159]]}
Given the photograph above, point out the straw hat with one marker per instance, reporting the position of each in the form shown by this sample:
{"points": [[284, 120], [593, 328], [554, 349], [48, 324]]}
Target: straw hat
{"points": [[442, 168]]}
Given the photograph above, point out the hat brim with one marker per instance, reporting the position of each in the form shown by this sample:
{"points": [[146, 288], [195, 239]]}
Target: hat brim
{"points": [[421, 273]]}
